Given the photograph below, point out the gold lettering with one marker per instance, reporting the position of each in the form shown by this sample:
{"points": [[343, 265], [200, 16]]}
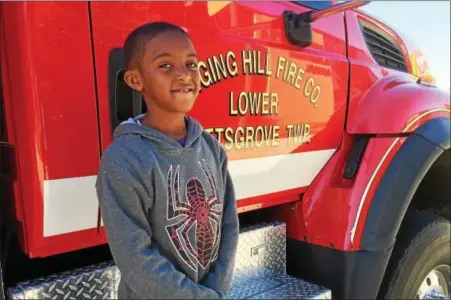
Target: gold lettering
{"points": [[259, 139], [313, 92], [256, 63], [249, 137], [254, 104], [232, 66], [311, 82], [268, 71], [289, 132], [275, 136], [265, 104], [254, 99], [247, 62], [229, 138], [260, 70], [242, 101], [274, 103], [315, 95], [252, 63], [216, 68], [299, 78], [306, 138], [291, 73], [280, 65], [239, 140], [215, 79], [298, 134], [285, 71], [207, 80], [232, 109], [220, 66]]}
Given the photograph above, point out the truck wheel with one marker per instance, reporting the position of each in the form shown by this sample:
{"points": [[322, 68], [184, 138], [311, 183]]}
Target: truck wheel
{"points": [[419, 267]]}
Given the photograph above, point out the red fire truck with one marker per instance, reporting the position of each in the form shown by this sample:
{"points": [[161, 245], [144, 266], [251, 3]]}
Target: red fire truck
{"points": [[338, 141]]}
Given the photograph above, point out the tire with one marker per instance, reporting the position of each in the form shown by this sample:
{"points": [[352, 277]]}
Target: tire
{"points": [[423, 244]]}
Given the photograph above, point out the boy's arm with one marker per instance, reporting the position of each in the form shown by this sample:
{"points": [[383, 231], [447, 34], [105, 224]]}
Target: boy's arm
{"points": [[220, 279], [146, 272]]}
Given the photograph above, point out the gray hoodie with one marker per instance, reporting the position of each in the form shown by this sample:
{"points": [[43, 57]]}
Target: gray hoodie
{"points": [[169, 212]]}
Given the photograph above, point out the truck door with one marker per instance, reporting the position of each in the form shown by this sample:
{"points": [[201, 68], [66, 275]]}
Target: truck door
{"points": [[278, 109]]}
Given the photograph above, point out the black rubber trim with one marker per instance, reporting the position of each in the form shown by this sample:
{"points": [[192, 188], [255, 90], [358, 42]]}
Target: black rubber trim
{"points": [[124, 101], [355, 157], [115, 66], [437, 131], [399, 183], [349, 275]]}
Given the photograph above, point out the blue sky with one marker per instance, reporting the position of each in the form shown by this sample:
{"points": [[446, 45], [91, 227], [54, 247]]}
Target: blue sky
{"points": [[427, 23]]}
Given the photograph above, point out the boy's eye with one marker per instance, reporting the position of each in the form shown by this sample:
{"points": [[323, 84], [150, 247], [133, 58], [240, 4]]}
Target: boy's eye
{"points": [[192, 65], [164, 66]]}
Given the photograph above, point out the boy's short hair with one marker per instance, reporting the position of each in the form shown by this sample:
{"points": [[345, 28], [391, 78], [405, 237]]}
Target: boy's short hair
{"points": [[134, 45]]}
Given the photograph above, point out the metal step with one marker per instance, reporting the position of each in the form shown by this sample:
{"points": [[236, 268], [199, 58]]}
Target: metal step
{"points": [[260, 267], [260, 273]]}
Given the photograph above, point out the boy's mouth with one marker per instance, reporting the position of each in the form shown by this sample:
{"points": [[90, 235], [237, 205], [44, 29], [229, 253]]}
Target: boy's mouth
{"points": [[183, 90]]}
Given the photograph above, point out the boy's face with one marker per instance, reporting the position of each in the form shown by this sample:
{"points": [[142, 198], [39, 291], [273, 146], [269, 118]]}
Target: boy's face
{"points": [[168, 75]]}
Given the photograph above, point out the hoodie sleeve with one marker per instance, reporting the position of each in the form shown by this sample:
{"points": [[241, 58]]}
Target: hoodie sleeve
{"points": [[220, 279], [147, 273]]}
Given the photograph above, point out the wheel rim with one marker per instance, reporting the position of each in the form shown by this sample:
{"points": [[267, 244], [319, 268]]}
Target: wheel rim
{"points": [[436, 285]]}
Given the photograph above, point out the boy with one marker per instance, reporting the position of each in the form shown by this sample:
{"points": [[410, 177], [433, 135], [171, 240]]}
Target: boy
{"points": [[166, 196]]}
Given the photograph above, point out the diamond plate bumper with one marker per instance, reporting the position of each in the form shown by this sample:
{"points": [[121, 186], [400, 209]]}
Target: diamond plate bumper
{"points": [[259, 273], [94, 282]]}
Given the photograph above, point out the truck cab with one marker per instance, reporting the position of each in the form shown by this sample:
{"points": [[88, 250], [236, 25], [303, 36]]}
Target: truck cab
{"points": [[319, 106]]}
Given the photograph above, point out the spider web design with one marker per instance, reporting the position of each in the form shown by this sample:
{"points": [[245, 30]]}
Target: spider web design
{"points": [[199, 211]]}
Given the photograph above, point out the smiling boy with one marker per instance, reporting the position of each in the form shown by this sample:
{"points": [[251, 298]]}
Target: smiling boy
{"points": [[165, 193]]}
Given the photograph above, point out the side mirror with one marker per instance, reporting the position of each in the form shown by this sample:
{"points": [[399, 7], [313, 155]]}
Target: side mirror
{"points": [[298, 27]]}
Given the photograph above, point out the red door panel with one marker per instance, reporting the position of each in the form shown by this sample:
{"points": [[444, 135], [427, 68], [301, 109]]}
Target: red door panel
{"points": [[278, 109]]}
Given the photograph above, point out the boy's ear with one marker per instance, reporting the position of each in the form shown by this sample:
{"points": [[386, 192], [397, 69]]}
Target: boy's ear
{"points": [[133, 80]]}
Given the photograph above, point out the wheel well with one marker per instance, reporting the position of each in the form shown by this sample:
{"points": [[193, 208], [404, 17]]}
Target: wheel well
{"points": [[434, 191], [432, 195]]}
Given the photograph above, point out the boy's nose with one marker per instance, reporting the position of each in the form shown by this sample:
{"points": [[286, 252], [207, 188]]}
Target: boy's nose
{"points": [[182, 76], [182, 73]]}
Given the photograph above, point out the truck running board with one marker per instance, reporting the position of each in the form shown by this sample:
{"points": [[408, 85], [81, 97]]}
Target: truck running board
{"points": [[260, 273]]}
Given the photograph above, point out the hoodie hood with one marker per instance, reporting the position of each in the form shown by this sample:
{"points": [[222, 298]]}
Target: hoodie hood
{"points": [[161, 140]]}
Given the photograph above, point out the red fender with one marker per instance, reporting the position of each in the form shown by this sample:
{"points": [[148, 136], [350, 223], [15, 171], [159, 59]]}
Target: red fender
{"points": [[333, 210], [392, 103]]}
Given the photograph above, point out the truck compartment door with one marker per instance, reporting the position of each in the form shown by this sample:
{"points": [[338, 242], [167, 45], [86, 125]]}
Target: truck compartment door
{"points": [[278, 109]]}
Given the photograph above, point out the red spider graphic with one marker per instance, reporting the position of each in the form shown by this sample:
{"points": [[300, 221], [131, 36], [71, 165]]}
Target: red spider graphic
{"points": [[199, 210]]}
